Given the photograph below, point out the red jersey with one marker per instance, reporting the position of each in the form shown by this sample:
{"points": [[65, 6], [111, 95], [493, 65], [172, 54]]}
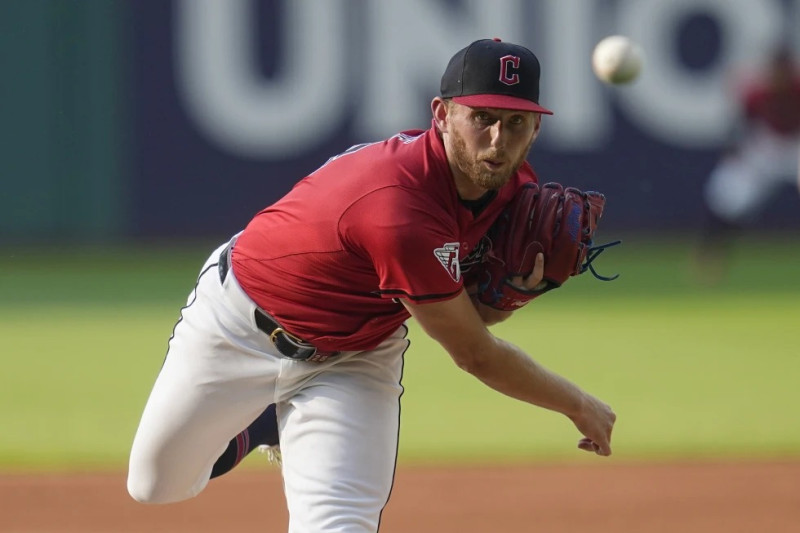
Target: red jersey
{"points": [[377, 223], [778, 109]]}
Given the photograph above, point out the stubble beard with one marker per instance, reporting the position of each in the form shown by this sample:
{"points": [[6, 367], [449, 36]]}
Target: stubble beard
{"points": [[476, 171]]}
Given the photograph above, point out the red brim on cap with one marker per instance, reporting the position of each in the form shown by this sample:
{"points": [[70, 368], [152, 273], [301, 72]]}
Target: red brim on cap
{"points": [[501, 101]]}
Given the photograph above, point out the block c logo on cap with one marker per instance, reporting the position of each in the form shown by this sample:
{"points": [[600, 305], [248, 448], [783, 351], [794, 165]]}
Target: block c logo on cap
{"points": [[507, 63]]}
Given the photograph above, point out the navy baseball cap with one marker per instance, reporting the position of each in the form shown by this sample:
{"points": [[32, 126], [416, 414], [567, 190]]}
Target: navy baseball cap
{"points": [[491, 73]]}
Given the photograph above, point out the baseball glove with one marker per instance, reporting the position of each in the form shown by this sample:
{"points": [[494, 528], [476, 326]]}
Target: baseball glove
{"points": [[557, 221]]}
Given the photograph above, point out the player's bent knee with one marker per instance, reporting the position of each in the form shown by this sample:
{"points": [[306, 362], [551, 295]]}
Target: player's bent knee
{"points": [[152, 492], [145, 493], [150, 495], [141, 492]]}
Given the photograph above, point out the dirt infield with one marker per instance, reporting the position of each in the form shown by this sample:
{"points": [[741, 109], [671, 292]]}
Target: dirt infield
{"points": [[689, 498]]}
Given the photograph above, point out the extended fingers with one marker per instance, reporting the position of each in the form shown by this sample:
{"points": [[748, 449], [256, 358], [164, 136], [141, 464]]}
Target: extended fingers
{"points": [[534, 280], [589, 445], [538, 270]]}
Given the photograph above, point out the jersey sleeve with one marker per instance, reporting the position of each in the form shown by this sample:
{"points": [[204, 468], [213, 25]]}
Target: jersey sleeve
{"points": [[411, 242]]}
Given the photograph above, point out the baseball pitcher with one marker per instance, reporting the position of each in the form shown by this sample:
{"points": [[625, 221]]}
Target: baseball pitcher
{"points": [[295, 330]]}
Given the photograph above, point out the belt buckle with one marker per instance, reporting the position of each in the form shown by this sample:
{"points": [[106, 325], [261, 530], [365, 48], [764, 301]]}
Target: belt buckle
{"points": [[274, 334], [295, 342], [277, 331]]}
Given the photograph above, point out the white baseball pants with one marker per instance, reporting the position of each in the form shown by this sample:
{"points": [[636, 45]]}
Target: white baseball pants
{"points": [[740, 185], [338, 420]]}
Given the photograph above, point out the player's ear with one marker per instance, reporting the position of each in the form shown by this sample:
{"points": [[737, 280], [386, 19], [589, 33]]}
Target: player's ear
{"points": [[439, 110]]}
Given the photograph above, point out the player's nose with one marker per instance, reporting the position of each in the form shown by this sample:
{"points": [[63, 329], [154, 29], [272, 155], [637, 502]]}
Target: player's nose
{"points": [[496, 134]]}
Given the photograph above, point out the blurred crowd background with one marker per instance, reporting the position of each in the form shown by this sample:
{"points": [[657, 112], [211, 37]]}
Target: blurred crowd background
{"points": [[140, 120]]}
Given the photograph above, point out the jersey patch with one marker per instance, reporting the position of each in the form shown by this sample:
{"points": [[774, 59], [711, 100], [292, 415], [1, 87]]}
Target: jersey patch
{"points": [[448, 257]]}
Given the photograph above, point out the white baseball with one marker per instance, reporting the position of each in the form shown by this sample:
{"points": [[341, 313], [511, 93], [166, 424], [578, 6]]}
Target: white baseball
{"points": [[617, 60]]}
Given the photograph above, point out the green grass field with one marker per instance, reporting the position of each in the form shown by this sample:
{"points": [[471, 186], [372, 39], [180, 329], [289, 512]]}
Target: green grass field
{"points": [[693, 371]]}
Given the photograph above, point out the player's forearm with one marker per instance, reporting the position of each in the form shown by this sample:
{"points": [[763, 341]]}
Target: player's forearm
{"points": [[513, 373]]}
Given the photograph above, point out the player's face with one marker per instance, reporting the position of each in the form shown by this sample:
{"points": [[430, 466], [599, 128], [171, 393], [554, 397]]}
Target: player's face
{"points": [[485, 146]]}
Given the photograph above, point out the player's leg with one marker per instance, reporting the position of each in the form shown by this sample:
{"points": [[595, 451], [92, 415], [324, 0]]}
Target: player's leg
{"points": [[339, 436], [713, 247], [733, 191], [730, 196], [798, 168], [263, 431], [215, 381]]}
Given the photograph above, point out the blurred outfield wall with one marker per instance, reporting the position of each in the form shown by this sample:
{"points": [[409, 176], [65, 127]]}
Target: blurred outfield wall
{"points": [[125, 119], [62, 101]]}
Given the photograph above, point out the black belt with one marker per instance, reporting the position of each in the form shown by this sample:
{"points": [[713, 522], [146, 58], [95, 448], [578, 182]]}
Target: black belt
{"points": [[286, 343]]}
